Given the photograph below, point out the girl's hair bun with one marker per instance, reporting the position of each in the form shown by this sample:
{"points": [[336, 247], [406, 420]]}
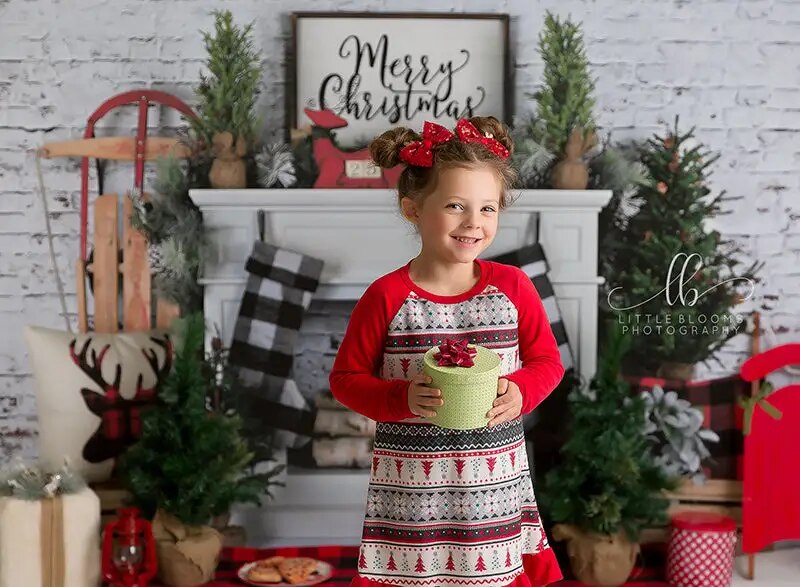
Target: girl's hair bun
{"points": [[385, 149], [491, 126]]}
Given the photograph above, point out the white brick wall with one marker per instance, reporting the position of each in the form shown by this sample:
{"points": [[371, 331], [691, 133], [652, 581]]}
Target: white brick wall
{"points": [[730, 67]]}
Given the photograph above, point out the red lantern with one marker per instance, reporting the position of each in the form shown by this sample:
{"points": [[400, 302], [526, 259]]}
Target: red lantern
{"points": [[129, 554]]}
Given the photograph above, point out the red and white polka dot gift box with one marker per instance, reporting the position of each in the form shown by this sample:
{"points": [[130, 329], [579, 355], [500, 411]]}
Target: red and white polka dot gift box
{"points": [[701, 550]]}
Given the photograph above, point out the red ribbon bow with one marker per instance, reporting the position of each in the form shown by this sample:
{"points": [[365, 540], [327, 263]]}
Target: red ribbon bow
{"points": [[467, 132], [455, 353], [420, 153]]}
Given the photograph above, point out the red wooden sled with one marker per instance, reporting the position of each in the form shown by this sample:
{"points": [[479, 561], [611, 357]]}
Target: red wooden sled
{"points": [[104, 265], [771, 502]]}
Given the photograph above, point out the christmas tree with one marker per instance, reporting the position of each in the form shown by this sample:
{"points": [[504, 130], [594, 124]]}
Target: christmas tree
{"points": [[666, 240], [228, 94], [190, 462], [480, 565], [607, 481], [450, 566], [420, 566]]}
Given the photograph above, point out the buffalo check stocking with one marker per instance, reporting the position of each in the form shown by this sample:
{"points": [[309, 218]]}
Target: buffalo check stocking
{"points": [[279, 289]]}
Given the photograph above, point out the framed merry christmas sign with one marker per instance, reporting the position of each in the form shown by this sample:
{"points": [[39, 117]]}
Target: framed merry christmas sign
{"points": [[365, 72]]}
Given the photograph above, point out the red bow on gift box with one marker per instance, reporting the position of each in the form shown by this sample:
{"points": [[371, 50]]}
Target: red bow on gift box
{"points": [[455, 353], [420, 153]]}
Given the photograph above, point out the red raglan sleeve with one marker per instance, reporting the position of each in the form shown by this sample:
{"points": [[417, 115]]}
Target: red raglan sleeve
{"points": [[354, 379], [541, 369]]}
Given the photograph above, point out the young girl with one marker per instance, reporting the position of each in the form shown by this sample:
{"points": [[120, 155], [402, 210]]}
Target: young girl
{"points": [[449, 507]]}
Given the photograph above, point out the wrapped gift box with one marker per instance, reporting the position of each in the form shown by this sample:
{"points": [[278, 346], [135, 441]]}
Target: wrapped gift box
{"points": [[50, 542]]}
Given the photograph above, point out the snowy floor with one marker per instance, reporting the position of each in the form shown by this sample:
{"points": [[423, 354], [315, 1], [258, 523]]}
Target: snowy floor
{"points": [[780, 568]]}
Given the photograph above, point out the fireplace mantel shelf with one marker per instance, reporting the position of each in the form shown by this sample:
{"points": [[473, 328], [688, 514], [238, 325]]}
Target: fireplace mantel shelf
{"points": [[335, 200], [316, 222]]}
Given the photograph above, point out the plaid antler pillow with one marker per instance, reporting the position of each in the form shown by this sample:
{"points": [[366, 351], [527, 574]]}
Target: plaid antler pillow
{"points": [[91, 390]]}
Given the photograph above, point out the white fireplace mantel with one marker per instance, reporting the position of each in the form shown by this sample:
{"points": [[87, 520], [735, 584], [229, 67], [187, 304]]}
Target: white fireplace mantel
{"points": [[361, 235]]}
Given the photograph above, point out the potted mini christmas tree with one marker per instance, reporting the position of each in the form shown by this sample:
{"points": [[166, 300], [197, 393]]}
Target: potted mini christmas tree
{"points": [[667, 261], [607, 487], [227, 94], [189, 465], [563, 129]]}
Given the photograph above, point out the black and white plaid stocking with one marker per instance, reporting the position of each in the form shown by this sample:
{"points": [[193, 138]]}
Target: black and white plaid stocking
{"points": [[279, 289]]}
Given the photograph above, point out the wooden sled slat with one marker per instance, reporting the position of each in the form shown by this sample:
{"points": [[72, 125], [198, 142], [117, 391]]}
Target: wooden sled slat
{"points": [[83, 314], [135, 275], [105, 267], [117, 148]]}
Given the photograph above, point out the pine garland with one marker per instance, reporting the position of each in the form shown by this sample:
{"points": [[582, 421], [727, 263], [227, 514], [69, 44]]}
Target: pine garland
{"points": [[531, 158], [189, 461], [617, 169], [173, 227], [35, 482], [608, 480]]}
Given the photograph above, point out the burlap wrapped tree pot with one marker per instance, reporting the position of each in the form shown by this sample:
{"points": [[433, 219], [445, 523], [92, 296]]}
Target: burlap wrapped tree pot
{"points": [[187, 555], [228, 170], [572, 172], [602, 560]]}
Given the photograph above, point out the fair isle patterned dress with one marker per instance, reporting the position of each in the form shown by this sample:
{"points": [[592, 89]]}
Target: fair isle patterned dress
{"points": [[448, 507]]}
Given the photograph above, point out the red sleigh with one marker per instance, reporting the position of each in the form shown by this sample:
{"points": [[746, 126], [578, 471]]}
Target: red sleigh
{"points": [[771, 502], [339, 168]]}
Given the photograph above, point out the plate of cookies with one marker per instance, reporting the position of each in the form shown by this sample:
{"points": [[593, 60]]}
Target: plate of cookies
{"points": [[286, 571]]}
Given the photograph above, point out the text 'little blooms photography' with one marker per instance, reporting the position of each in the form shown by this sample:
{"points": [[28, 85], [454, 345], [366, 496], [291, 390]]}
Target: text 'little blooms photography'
{"points": [[679, 294]]}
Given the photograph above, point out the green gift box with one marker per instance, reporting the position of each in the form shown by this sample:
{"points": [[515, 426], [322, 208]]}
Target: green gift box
{"points": [[468, 392]]}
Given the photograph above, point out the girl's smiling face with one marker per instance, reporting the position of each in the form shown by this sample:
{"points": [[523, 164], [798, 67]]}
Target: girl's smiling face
{"points": [[458, 220]]}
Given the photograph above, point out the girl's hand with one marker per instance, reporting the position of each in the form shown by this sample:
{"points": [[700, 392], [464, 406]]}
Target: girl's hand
{"points": [[421, 397], [508, 404]]}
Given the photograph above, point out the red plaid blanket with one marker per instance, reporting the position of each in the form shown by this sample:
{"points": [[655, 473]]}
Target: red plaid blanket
{"points": [[717, 399], [344, 559]]}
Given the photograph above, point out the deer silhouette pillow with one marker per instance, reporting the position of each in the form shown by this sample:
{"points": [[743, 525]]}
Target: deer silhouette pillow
{"points": [[90, 392]]}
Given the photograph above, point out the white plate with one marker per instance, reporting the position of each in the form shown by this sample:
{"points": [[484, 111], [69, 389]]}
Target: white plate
{"points": [[324, 572]]}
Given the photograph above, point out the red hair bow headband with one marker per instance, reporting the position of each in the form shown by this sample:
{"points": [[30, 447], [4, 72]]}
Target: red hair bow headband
{"points": [[467, 132], [420, 153]]}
